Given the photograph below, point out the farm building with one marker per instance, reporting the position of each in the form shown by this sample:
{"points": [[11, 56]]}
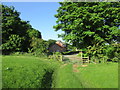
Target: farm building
{"points": [[57, 47]]}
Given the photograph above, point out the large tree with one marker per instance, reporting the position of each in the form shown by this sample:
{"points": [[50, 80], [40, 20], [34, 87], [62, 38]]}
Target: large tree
{"points": [[16, 33], [89, 23]]}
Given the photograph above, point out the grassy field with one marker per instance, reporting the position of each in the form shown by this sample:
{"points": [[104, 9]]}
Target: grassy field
{"points": [[27, 72], [99, 75], [34, 72], [88, 76], [66, 79]]}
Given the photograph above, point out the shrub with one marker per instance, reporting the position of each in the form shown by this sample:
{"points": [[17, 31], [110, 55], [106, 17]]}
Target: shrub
{"points": [[115, 59], [56, 56]]}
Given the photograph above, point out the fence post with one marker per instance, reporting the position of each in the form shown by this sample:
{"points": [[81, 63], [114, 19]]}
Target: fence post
{"points": [[88, 59], [61, 59]]}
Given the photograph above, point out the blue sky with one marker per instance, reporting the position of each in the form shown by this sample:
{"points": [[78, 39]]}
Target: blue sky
{"points": [[40, 15]]}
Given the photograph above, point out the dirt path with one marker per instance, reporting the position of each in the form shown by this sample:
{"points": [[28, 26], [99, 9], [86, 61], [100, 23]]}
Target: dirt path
{"points": [[75, 66]]}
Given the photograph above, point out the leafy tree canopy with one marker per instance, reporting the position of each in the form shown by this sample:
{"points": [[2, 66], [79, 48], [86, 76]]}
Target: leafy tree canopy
{"points": [[88, 23], [51, 42], [16, 33]]}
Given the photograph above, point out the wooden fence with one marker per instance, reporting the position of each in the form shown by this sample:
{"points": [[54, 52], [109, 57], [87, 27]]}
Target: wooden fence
{"points": [[85, 59]]}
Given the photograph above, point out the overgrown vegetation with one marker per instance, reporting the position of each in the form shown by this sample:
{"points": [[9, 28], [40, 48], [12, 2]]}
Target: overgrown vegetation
{"points": [[56, 56]]}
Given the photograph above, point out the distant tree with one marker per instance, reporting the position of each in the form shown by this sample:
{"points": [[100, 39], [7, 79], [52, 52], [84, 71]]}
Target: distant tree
{"points": [[88, 23], [34, 33], [51, 42], [39, 46]]}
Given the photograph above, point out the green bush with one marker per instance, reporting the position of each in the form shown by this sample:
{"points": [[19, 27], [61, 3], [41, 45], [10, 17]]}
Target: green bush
{"points": [[22, 54], [56, 56], [115, 59], [85, 55], [57, 53], [39, 47]]}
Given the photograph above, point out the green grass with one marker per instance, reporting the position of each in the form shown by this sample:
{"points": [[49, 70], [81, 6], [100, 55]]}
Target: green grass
{"points": [[92, 76], [34, 72], [99, 75], [66, 79], [26, 72]]}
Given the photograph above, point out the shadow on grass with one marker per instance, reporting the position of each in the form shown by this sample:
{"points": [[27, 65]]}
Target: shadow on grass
{"points": [[47, 79]]}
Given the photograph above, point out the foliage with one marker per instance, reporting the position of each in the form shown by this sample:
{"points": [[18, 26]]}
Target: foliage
{"points": [[33, 72], [34, 33], [101, 53], [56, 56], [19, 36], [91, 25], [13, 44], [87, 23], [51, 42], [16, 33], [113, 51], [22, 54], [70, 52], [39, 46], [71, 47]]}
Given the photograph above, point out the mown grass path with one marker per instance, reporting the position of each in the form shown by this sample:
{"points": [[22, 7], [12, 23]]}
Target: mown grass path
{"points": [[87, 76], [74, 75], [66, 79], [33, 72]]}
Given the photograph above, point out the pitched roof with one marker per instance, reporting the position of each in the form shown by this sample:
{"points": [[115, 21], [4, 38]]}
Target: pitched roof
{"points": [[60, 44]]}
